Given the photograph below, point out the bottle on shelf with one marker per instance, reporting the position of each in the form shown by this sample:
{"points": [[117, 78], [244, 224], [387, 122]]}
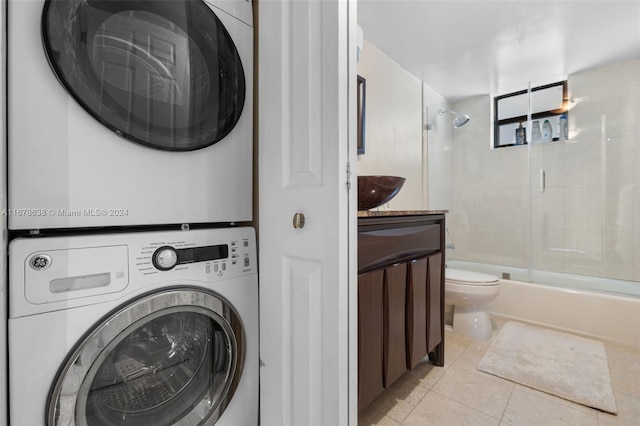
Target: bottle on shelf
{"points": [[564, 128], [536, 134], [547, 131], [521, 135]]}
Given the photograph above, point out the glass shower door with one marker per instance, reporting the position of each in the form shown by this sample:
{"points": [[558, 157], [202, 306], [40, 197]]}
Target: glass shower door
{"points": [[585, 185], [546, 153]]}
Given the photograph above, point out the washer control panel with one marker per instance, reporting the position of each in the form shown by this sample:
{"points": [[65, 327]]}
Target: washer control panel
{"points": [[228, 257], [166, 258], [63, 272]]}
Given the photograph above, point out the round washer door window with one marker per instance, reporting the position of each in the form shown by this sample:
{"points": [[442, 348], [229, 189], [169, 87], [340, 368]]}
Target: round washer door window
{"points": [[165, 74], [170, 358]]}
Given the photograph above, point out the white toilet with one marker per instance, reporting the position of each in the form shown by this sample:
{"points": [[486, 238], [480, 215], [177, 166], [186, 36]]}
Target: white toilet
{"points": [[469, 292]]}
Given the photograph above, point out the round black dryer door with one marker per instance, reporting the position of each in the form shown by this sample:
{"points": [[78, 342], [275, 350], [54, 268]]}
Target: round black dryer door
{"points": [[165, 74], [169, 358]]}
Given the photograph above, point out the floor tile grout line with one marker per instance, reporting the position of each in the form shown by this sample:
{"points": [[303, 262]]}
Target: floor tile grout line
{"points": [[468, 406], [573, 405], [565, 403], [501, 419], [375, 408], [413, 407], [415, 385], [446, 368]]}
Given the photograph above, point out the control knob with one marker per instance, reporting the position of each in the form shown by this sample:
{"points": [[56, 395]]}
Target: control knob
{"points": [[165, 258]]}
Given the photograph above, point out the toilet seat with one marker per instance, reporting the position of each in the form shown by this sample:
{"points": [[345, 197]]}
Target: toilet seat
{"points": [[467, 291], [462, 277]]}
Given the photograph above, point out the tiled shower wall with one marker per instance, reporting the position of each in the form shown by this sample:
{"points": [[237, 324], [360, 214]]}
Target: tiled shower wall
{"points": [[587, 220]]}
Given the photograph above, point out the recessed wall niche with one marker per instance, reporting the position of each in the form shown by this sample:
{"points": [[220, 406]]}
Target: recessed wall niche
{"points": [[549, 116]]}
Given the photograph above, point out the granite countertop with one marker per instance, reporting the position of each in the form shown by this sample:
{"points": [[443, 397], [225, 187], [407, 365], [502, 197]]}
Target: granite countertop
{"points": [[373, 213]]}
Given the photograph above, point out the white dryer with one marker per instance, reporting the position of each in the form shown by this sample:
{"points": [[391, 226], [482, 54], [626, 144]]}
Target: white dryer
{"points": [[129, 112], [153, 328]]}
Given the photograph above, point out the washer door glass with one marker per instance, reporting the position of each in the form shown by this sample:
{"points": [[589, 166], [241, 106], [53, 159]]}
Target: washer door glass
{"points": [[177, 365], [165, 74]]}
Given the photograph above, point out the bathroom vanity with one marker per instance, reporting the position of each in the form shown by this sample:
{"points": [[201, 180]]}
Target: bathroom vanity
{"points": [[400, 296]]}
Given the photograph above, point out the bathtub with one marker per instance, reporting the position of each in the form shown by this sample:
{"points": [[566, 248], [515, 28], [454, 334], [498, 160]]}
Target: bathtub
{"points": [[566, 302]]}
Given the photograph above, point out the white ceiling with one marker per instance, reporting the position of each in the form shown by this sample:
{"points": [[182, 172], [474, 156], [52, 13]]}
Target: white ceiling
{"points": [[466, 48]]}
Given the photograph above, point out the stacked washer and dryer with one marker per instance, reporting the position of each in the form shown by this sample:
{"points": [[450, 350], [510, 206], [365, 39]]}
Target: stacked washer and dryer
{"points": [[133, 297]]}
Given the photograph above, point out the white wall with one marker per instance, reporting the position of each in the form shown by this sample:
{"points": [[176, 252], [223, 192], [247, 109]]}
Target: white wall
{"points": [[587, 221], [393, 135]]}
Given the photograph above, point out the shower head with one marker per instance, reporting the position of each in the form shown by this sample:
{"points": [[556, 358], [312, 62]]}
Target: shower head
{"points": [[459, 119]]}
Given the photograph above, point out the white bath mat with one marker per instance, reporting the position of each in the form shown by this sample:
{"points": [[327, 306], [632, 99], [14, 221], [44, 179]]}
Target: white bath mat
{"points": [[564, 365]]}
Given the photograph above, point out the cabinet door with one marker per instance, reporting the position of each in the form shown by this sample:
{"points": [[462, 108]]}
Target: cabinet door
{"points": [[395, 354], [370, 384], [416, 312], [434, 304]]}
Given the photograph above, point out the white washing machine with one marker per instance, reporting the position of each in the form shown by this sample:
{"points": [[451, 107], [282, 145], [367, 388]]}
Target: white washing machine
{"points": [[150, 328], [129, 112]]}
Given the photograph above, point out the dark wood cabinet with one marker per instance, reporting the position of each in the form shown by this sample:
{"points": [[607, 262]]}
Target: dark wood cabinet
{"points": [[394, 306], [401, 298], [435, 311], [370, 368], [417, 312]]}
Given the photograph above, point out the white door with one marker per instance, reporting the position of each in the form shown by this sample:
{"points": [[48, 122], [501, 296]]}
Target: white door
{"points": [[3, 223], [306, 79]]}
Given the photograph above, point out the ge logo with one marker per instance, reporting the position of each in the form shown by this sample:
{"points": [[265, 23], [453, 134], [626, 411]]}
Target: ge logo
{"points": [[40, 262]]}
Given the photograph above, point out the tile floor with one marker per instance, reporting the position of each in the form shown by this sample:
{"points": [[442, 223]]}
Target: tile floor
{"points": [[459, 394]]}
